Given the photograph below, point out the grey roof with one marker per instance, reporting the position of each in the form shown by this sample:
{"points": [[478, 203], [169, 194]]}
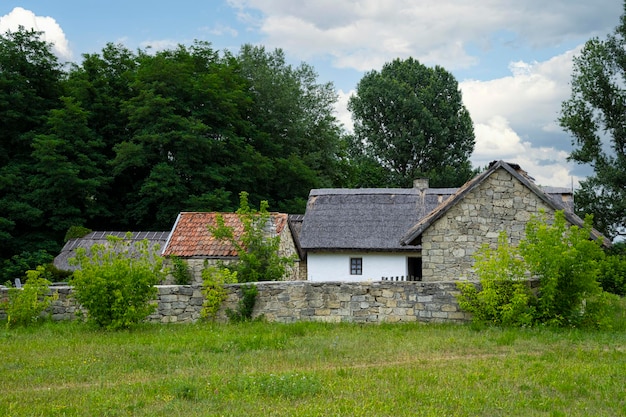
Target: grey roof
{"points": [[391, 219], [367, 218], [100, 237]]}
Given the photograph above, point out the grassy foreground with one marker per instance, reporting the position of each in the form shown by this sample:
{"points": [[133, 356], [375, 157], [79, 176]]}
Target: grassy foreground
{"points": [[309, 369]]}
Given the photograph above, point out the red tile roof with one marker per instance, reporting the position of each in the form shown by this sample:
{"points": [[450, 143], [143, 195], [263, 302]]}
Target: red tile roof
{"points": [[191, 237]]}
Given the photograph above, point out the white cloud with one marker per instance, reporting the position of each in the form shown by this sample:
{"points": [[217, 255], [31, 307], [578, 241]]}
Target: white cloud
{"points": [[52, 32], [364, 34], [532, 95], [341, 109], [515, 118], [159, 45], [223, 30], [495, 140]]}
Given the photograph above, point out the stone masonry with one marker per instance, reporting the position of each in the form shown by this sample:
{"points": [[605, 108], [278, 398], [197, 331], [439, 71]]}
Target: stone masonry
{"points": [[498, 204], [292, 301]]}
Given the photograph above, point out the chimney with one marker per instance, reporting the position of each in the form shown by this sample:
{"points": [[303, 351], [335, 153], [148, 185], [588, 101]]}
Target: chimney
{"points": [[420, 183]]}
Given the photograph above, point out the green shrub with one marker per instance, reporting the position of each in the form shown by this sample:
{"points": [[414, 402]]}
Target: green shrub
{"points": [[54, 274], [245, 306], [567, 264], [25, 305], [116, 282], [213, 279], [180, 271], [17, 265], [505, 297], [75, 232], [612, 276], [258, 252]]}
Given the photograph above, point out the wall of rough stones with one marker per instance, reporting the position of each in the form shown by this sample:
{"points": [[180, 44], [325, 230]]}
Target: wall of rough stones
{"points": [[292, 301], [500, 203]]}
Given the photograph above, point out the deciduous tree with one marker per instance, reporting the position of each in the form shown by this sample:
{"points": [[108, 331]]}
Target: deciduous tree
{"points": [[410, 119], [595, 116], [30, 86]]}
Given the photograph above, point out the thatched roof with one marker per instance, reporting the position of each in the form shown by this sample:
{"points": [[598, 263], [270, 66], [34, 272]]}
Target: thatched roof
{"points": [[100, 237], [365, 219], [391, 219]]}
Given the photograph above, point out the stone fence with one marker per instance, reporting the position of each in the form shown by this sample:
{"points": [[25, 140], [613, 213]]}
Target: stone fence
{"points": [[291, 301]]}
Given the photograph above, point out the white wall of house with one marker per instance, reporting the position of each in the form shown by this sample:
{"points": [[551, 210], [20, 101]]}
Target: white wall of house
{"points": [[336, 266]]}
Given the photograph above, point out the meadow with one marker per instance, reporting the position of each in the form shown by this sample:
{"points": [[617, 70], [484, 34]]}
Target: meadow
{"points": [[311, 369]]}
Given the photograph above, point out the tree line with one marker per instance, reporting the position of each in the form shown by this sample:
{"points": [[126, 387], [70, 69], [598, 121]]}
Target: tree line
{"points": [[125, 140]]}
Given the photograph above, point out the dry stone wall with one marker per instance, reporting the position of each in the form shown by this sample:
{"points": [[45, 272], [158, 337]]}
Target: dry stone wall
{"points": [[292, 301]]}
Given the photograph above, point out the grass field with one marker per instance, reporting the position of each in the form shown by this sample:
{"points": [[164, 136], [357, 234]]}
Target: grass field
{"points": [[309, 369]]}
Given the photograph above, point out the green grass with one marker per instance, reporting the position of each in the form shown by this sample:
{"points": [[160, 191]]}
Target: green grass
{"points": [[308, 369]]}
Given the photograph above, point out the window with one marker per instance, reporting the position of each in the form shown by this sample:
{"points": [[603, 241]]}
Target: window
{"points": [[356, 266]]}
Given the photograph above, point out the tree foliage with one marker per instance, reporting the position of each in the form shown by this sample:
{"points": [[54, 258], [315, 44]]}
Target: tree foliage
{"points": [[125, 140], [410, 122], [116, 281], [258, 247], [213, 280], [567, 264], [30, 87], [595, 116], [294, 127]]}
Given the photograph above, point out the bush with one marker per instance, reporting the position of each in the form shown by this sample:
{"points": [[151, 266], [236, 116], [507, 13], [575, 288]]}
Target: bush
{"points": [[75, 232], [505, 298], [116, 282], [245, 307], [612, 276], [180, 271], [54, 274], [258, 251], [213, 279], [17, 265], [566, 262], [25, 306]]}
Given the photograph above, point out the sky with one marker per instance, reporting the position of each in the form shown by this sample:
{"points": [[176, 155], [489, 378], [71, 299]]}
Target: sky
{"points": [[513, 59]]}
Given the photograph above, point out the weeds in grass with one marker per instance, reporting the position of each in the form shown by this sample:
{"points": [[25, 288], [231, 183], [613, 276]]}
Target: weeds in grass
{"points": [[259, 369], [287, 385]]}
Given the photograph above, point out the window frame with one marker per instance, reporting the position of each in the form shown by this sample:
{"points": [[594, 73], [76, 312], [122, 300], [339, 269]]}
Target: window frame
{"points": [[356, 265]]}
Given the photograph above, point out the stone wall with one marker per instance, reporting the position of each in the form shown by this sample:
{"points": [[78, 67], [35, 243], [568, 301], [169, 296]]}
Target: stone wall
{"points": [[500, 203], [291, 301]]}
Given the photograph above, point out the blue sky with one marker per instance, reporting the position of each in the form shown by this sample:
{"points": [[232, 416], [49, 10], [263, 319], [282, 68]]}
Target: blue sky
{"points": [[513, 59]]}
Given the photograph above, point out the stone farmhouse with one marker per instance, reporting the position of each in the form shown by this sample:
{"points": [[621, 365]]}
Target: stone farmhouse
{"points": [[421, 233]]}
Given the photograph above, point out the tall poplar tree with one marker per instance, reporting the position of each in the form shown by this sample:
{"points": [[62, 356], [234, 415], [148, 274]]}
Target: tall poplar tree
{"points": [[595, 116]]}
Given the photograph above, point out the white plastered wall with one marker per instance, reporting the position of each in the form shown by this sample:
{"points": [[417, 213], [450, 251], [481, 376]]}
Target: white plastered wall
{"points": [[336, 266]]}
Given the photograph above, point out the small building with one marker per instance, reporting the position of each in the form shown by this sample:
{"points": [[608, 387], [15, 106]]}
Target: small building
{"points": [[421, 233], [61, 261], [191, 241]]}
